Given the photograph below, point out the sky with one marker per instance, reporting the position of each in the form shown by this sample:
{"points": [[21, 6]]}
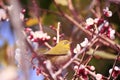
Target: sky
{"points": [[6, 33]]}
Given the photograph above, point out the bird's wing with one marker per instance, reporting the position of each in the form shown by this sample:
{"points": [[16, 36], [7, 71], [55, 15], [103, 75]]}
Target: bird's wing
{"points": [[56, 52]]}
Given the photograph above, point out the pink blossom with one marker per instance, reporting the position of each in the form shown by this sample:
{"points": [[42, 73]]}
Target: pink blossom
{"points": [[111, 33], [98, 77], [107, 12], [89, 21]]}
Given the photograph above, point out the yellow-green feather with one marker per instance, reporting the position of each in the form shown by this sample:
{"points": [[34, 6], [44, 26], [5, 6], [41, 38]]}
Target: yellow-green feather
{"points": [[61, 48]]}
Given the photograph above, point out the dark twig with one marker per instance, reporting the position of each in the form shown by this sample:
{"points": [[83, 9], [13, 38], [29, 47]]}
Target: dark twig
{"points": [[36, 11], [91, 56], [114, 65], [95, 11], [74, 12]]}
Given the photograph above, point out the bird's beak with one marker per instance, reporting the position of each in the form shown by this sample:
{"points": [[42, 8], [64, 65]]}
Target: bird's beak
{"points": [[70, 42]]}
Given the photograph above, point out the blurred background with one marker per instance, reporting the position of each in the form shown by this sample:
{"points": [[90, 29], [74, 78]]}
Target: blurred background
{"points": [[47, 12]]}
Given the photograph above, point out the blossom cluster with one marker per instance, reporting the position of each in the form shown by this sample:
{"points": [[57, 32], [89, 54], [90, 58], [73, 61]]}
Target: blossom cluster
{"points": [[37, 36], [115, 71], [80, 71], [101, 25], [83, 72]]}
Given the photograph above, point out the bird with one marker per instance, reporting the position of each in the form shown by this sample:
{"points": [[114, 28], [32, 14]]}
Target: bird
{"points": [[60, 54]]}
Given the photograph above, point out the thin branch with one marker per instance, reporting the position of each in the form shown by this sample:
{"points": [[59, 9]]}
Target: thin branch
{"points": [[40, 61], [48, 45], [58, 32], [96, 12], [62, 13], [114, 65], [74, 12], [103, 39], [36, 11], [91, 56], [49, 67]]}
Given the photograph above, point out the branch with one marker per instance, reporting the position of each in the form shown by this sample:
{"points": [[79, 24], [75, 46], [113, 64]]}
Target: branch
{"points": [[96, 12], [36, 11], [58, 32], [74, 12], [103, 39], [114, 65], [91, 56]]}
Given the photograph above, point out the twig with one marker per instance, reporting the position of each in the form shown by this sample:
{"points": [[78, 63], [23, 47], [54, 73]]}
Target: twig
{"points": [[62, 13], [49, 67], [36, 11], [83, 55], [114, 65], [74, 12], [96, 12], [49, 46], [74, 77], [58, 32], [40, 60], [91, 55]]}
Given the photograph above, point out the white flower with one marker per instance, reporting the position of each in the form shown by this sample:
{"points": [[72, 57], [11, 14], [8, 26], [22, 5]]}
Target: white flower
{"points": [[89, 21], [98, 77], [77, 49], [76, 67], [40, 35], [84, 43], [107, 12], [106, 23], [96, 20], [116, 68], [112, 33]]}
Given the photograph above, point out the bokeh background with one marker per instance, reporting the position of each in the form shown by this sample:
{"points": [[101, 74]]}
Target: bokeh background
{"points": [[102, 61]]}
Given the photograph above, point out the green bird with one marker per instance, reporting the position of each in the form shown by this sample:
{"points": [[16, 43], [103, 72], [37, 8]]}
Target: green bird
{"points": [[59, 54]]}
